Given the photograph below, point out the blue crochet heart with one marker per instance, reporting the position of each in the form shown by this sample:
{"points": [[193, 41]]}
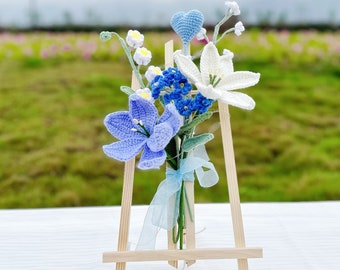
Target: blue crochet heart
{"points": [[187, 25]]}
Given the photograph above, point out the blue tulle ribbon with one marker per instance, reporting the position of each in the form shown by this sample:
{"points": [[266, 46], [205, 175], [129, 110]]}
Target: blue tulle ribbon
{"points": [[164, 208]]}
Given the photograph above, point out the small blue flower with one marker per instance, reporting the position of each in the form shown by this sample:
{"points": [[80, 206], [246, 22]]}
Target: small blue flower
{"points": [[156, 86], [167, 98], [184, 106], [201, 104], [140, 129]]}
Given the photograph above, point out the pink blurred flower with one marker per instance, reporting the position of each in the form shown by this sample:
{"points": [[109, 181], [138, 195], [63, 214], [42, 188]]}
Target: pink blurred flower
{"points": [[67, 47], [44, 53], [296, 47], [27, 51]]}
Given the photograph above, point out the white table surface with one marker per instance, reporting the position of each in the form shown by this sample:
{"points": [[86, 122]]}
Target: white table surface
{"points": [[294, 236]]}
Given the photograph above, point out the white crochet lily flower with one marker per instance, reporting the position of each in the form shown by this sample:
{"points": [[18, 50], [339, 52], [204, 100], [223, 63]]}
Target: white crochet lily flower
{"points": [[216, 78]]}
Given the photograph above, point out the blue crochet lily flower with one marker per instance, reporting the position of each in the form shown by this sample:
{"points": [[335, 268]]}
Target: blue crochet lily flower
{"points": [[140, 129]]}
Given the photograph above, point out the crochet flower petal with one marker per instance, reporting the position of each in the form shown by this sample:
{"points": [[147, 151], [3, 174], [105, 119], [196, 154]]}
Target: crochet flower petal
{"points": [[151, 160], [160, 137], [143, 109], [208, 91], [171, 116], [119, 124], [209, 64], [226, 64], [187, 67], [124, 150], [237, 99], [239, 80]]}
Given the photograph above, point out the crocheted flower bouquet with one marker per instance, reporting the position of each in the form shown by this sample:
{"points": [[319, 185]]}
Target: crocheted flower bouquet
{"points": [[164, 113]]}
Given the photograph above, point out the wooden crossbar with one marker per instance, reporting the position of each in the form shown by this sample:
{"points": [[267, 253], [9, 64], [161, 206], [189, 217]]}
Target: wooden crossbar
{"points": [[185, 254]]}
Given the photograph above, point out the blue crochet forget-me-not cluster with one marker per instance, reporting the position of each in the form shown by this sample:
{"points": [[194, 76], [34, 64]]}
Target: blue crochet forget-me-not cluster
{"points": [[176, 89]]}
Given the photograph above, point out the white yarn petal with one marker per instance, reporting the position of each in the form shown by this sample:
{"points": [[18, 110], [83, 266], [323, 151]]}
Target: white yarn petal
{"points": [[209, 62], [187, 67], [226, 64], [237, 99], [239, 80], [208, 91]]}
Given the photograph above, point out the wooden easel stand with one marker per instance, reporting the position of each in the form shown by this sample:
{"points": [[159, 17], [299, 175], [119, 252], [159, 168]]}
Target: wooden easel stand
{"points": [[191, 253]]}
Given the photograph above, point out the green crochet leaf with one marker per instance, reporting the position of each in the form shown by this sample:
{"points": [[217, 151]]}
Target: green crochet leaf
{"points": [[187, 129], [192, 142], [127, 90]]}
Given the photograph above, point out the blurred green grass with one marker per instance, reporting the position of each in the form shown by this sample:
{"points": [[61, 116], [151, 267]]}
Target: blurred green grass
{"points": [[53, 99]]}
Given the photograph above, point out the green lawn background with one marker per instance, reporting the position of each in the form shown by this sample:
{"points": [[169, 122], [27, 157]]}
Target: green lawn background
{"points": [[55, 90]]}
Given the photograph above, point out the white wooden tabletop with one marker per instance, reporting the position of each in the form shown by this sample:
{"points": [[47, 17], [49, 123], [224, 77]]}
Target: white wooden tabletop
{"points": [[294, 236]]}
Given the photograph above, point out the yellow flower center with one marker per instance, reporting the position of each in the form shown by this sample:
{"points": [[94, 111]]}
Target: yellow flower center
{"points": [[136, 35], [145, 95], [144, 52], [157, 71]]}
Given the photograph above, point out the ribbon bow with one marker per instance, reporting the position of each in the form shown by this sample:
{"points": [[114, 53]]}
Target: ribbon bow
{"points": [[164, 208]]}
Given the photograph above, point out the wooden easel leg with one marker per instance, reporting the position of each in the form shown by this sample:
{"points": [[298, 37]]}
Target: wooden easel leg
{"points": [[242, 264], [129, 173], [234, 197], [125, 210], [172, 246], [190, 219]]}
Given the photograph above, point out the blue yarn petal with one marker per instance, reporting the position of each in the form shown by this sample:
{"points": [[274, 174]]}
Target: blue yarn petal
{"points": [[171, 116], [119, 124], [160, 137], [124, 150], [151, 160], [143, 109]]}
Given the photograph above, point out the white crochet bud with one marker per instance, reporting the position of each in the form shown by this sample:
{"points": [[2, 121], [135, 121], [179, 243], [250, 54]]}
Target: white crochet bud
{"points": [[239, 28], [233, 7], [142, 56], [152, 72], [134, 39]]}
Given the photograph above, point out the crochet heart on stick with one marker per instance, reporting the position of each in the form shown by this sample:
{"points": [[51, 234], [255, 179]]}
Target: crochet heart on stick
{"points": [[187, 25]]}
